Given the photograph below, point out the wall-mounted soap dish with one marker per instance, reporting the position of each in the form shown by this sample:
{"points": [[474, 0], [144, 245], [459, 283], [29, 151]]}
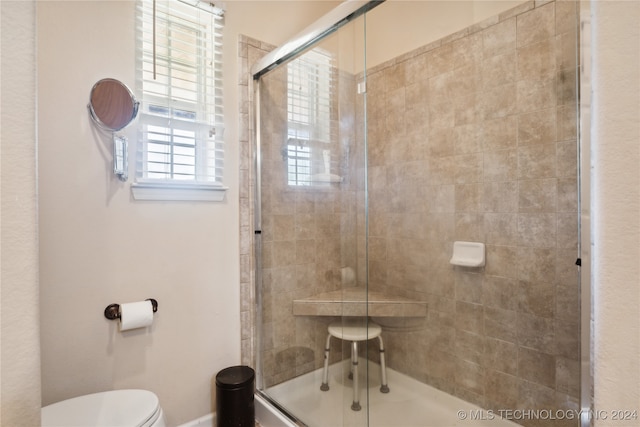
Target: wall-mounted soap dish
{"points": [[468, 254]]}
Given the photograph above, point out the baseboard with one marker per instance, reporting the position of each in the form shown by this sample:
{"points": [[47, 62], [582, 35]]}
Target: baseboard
{"points": [[206, 421]]}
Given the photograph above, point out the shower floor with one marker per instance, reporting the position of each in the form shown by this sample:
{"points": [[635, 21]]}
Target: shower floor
{"points": [[410, 403]]}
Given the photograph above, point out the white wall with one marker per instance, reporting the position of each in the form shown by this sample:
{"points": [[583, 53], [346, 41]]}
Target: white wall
{"points": [[400, 26], [20, 354], [98, 246], [616, 207]]}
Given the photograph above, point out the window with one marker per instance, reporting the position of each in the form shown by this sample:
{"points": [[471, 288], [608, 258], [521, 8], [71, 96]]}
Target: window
{"points": [[179, 84], [309, 95], [298, 163]]}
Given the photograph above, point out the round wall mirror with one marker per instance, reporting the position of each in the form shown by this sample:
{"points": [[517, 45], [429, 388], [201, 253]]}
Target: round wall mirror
{"points": [[112, 105]]}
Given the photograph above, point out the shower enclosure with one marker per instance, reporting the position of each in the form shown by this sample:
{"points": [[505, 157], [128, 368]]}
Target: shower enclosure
{"points": [[382, 135]]}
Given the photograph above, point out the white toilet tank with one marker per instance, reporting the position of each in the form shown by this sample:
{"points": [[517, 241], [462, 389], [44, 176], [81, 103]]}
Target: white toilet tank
{"points": [[117, 408]]}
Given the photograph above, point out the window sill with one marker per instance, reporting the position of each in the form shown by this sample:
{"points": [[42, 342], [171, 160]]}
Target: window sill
{"points": [[178, 192]]}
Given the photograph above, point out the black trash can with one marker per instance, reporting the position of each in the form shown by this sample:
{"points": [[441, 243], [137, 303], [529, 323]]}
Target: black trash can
{"points": [[234, 397]]}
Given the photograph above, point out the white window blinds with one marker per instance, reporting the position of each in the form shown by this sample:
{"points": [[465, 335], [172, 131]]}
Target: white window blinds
{"points": [[179, 84], [309, 95]]}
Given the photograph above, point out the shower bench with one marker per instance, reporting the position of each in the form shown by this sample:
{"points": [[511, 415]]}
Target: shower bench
{"points": [[355, 302]]}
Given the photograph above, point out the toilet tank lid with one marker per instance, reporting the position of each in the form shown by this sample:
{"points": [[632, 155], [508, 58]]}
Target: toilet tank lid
{"points": [[116, 408]]}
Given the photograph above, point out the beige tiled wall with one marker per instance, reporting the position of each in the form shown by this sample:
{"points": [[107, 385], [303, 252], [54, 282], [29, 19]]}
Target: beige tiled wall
{"points": [[472, 137]]}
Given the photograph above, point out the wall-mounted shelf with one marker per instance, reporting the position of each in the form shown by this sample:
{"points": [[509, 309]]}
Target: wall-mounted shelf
{"points": [[468, 254], [358, 302]]}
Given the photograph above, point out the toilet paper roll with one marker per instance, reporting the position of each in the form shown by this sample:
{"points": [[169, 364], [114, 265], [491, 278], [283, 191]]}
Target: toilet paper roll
{"points": [[136, 315]]}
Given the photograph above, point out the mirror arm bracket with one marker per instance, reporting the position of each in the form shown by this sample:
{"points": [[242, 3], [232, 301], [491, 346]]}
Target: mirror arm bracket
{"points": [[120, 157]]}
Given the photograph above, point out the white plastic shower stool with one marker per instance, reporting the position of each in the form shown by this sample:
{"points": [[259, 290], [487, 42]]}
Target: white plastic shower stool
{"points": [[354, 330]]}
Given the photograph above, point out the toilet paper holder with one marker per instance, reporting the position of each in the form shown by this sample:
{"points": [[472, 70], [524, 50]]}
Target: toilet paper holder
{"points": [[112, 312]]}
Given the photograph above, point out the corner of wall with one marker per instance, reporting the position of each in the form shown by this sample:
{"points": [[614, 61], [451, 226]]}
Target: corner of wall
{"points": [[20, 391]]}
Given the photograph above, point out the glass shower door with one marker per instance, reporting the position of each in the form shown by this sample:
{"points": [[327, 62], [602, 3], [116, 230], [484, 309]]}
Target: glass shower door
{"points": [[313, 231], [465, 131]]}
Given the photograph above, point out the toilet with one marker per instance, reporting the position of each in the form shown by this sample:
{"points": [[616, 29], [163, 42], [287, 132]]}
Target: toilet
{"points": [[116, 408]]}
